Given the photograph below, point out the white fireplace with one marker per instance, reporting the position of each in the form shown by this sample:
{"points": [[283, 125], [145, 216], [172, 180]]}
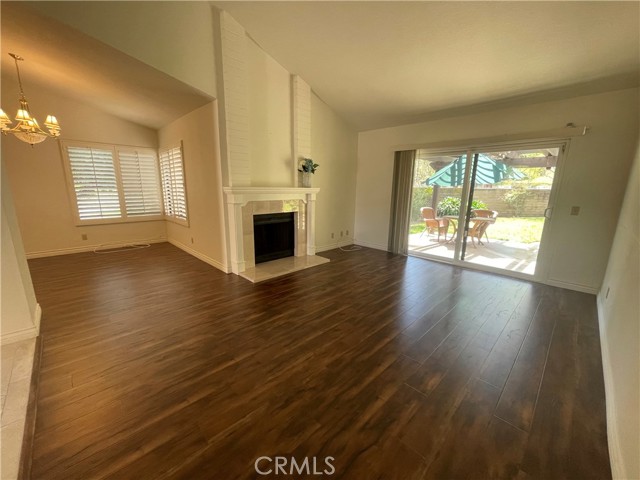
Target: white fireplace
{"points": [[245, 202]]}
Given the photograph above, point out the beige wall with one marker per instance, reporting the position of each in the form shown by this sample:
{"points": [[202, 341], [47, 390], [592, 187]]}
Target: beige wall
{"points": [[174, 37], [334, 146], [269, 119], [19, 311], [37, 178], [204, 237], [594, 175], [619, 312]]}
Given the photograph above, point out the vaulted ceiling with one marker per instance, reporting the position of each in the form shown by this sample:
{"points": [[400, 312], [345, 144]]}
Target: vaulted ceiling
{"points": [[377, 64], [75, 65], [388, 63]]}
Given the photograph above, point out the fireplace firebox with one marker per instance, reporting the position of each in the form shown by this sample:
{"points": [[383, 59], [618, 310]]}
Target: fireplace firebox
{"points": [[273, 236]]}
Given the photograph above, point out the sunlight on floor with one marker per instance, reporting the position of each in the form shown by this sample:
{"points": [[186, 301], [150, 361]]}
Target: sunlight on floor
{"points": [[512, 256]]}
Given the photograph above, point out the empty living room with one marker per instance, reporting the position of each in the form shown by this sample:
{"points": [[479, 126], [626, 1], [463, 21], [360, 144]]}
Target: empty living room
{"points": [[309, 239]]}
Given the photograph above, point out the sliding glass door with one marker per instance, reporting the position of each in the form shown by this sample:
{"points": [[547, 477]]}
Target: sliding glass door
{"points": [[484, 208], [510, 196], [435, 206]]}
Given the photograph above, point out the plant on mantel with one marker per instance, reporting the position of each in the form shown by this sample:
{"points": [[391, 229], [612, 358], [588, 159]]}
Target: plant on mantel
{"points": [[307, 166]]}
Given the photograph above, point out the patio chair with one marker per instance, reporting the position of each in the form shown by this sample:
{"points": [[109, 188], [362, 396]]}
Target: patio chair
{"points": [[431, 222], [480, 228], [476, 231]]}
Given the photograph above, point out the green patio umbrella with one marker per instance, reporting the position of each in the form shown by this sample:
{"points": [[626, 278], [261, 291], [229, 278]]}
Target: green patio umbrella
{"points": [[489, 171]]}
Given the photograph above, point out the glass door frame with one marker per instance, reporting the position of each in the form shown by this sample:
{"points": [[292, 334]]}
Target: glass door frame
{"points": [[544, 252]]}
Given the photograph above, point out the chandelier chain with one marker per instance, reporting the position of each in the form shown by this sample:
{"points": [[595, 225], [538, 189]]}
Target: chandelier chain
{"points": [[15, 59]]}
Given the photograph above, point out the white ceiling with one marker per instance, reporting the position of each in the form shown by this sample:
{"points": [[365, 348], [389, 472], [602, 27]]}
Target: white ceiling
{"points": [[75, 65], [376, 63], [388, 63]]}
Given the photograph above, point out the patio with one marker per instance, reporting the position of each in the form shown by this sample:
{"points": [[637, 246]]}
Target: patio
{"points": [[510, 194], [508, 255]]}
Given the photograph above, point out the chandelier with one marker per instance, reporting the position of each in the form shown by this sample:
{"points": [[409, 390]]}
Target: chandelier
{"points": [[27, 128]]}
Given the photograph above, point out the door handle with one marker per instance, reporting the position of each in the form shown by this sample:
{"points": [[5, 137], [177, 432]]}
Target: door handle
{"points": [[547, 212]]}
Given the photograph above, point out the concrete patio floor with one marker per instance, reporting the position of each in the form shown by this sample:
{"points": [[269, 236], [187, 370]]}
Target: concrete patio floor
{"points": [[512, 256]]}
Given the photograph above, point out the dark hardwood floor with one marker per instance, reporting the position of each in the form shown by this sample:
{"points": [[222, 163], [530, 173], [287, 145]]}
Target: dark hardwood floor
{"points": [[156, 365]]}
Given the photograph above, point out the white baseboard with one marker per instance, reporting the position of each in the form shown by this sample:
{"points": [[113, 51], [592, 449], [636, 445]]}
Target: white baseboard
{"points": [[199, 256], [37, 318], [89, 248], [331, 246], [25, 333], [572, 286], [377, 246], [617, 465], [19, 335]]}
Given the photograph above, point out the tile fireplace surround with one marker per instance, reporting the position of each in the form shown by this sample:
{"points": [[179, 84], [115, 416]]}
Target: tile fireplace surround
{"points": [[245, 202]]}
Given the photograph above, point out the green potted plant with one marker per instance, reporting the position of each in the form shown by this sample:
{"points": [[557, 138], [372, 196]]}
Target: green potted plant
{"points": [[307, 168]]}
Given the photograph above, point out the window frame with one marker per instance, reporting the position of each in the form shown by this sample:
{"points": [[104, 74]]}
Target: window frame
{"points": [[73, 200], [172, 218]]}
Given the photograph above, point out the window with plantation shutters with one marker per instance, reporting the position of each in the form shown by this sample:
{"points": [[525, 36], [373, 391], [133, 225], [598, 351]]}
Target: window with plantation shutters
{"points": [[173, 184], [114, 183], [95, 183], [140, 182]]}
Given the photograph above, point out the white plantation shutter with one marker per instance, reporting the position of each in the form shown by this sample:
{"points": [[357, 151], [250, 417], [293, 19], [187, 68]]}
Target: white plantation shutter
{"points": [[114, 183], [140, 182], [95, 183], [173, 185]]}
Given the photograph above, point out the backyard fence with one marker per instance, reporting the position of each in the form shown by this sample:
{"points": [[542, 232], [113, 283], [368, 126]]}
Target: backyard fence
{"points": [[529, 202]]}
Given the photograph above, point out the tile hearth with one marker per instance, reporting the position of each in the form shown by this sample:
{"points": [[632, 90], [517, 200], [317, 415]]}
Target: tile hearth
{"points": [[282, 266]]}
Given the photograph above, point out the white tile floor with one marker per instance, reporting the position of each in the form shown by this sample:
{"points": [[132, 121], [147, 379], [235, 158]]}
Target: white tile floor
{"points": [[16, 366]]}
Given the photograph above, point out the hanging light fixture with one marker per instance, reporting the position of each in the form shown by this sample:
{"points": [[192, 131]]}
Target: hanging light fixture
{"points": [[27, 128]]}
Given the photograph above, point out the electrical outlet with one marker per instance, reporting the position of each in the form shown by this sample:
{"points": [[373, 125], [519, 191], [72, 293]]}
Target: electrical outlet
{"points": [[332, 235], [84, 236], [575, 210]]}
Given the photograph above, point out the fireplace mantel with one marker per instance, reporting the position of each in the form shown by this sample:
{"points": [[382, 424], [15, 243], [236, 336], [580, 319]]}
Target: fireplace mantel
{"points": [[243, 195], [267, 200]]}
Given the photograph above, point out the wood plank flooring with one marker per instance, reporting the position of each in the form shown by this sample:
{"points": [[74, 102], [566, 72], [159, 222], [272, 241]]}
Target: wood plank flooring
{"points": [[157, 366]]}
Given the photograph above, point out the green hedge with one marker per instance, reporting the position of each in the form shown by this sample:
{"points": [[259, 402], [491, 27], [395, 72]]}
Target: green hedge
{"points": [[421, 197]]}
